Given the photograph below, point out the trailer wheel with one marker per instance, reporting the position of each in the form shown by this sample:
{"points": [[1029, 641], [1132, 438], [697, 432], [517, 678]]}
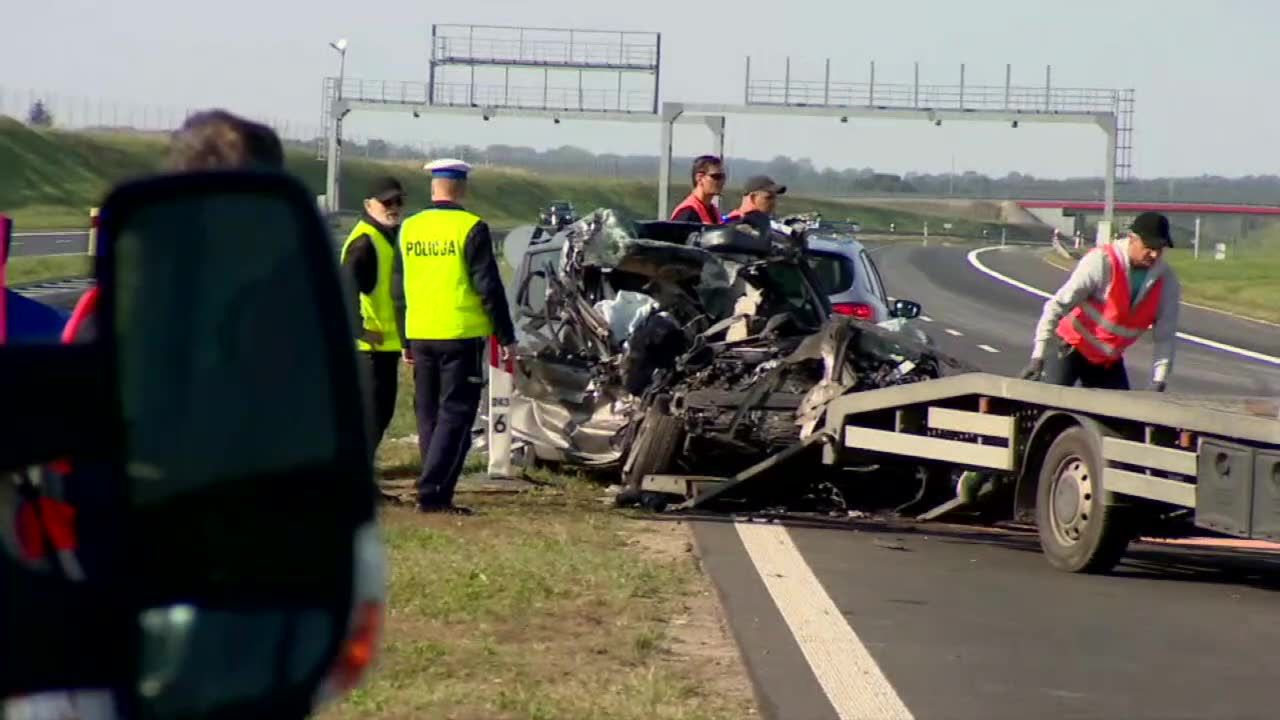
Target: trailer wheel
{"points": [[1079, 532], [654, 450]]}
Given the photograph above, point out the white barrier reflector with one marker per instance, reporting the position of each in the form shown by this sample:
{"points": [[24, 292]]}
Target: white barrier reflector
{"points": [[501, 377]]}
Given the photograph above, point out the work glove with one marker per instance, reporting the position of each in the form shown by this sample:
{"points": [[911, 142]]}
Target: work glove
{"points": [[1033, 370], [1157, 386]]}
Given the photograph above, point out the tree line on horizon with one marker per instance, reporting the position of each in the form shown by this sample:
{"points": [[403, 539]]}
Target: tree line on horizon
{"points": [[804, 176]]}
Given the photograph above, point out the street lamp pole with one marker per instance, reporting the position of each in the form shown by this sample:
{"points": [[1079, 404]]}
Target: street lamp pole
{"points": [[336, 111], [341, 46]]}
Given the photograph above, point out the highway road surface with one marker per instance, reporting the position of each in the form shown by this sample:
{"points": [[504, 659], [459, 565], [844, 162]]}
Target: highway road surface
{"points": [[841, 619], [55, 242]]}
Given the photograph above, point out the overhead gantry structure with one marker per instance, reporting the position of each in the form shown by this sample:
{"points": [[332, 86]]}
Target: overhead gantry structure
{"points": [[1110, 110], [497, 71]]}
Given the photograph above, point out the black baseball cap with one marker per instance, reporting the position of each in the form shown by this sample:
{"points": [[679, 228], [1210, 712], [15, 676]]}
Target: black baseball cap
{"points": [[763, 183], [385, 188], [1153, 228]]}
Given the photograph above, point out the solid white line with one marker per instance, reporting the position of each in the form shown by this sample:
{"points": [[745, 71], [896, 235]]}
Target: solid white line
{"points": [[50, 234], [844, 668], [956, 333], [988, 348], [1251, 354]]}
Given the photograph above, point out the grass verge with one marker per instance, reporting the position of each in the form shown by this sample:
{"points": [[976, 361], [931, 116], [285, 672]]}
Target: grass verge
{"points": [[1243, 285], [22, 270], [547, 604]]}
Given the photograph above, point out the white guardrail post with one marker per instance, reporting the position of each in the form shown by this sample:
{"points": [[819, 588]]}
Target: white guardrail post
{"points": [[93, 233], [501, 377]]}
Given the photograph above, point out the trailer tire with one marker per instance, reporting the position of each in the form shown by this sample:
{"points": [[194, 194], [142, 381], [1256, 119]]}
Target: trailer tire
{"points": [[1078, 531], [655, 448]]}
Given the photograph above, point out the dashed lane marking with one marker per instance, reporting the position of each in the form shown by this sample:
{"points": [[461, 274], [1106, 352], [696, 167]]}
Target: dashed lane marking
{"points": [[988, 348], [956, 333]]}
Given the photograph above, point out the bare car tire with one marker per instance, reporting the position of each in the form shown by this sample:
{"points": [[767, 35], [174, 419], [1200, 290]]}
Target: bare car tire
{"points": [[1079, 532], [655, 448]]}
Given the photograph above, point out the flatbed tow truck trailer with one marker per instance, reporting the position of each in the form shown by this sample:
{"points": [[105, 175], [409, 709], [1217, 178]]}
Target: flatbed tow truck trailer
{"points": [[1090, 468]]}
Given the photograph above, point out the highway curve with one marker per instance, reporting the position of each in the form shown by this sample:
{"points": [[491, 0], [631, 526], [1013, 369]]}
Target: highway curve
{"points": [[990, 323]]}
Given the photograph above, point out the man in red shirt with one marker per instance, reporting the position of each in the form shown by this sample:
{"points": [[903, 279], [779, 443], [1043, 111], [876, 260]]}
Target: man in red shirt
{"points": [[708, 179]]}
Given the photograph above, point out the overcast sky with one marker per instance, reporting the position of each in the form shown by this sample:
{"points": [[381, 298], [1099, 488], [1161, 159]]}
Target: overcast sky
{"points": [[1204, 72]]}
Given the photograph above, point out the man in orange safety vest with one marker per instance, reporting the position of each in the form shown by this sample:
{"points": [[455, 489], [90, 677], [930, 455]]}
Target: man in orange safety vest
{"points": [[1115, 294]]}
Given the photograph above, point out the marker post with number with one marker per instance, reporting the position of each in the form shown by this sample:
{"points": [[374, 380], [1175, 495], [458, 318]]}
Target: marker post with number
{"points": [[501, 377]]}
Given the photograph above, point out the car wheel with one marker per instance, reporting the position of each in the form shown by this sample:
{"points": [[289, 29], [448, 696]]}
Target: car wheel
{"points": [[655, 448]]}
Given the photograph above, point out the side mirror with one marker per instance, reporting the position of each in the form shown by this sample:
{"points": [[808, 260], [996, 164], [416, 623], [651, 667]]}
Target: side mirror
{"points": [[906, 309], [230, 563]]}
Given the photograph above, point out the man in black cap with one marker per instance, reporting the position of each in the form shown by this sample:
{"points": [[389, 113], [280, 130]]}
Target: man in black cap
{"points": [[368, 257], [759, 198], [1115, 294]]}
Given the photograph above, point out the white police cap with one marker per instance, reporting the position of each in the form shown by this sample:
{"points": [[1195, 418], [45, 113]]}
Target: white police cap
{"points": [[448, 168]]}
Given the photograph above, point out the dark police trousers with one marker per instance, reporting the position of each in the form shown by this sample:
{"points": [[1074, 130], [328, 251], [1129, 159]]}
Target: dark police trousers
{"points": [[1063, 365], [383, 369], [448, 377]]}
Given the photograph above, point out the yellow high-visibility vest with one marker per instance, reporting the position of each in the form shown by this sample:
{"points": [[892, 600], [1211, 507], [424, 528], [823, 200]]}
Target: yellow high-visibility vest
{"points": [[441, 304], [377, 312]]}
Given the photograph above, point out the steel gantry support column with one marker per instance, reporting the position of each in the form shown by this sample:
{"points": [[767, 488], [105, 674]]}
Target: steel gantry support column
{"points": [[1105, 228], [670, 113], [333, 170], [716, 124]]}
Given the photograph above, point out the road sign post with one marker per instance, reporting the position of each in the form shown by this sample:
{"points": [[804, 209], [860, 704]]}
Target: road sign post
{"points": [[501, 376]]}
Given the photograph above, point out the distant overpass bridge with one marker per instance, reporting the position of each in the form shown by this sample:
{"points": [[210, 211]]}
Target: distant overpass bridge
{"points": [[1078, 207], [1069, 216]]}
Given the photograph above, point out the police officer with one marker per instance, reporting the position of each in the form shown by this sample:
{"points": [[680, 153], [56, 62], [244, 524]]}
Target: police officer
{"points": [[1115, 294], [368, 257], [451, 300]]}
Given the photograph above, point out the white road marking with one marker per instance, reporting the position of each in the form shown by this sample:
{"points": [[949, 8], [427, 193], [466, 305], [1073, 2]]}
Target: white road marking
{"points": [[1251, 354], [853, 682], [926, 318], [50, 234], [956, 333], [988, 348]]}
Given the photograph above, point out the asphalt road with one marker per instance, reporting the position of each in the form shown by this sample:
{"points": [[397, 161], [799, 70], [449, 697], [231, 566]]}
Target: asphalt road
{"points": [[862, 620], [50, 243], [990, 324], [851, 619]]}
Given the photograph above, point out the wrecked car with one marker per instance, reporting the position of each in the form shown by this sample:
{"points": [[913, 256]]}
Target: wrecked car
{"points": [[664, 347]]}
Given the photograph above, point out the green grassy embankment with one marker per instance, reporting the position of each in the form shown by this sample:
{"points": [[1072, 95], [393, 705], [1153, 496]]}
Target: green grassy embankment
{"points": [[52, 177]]}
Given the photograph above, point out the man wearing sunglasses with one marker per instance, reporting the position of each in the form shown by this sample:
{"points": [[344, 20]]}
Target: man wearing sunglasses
{"points": [[368, 256], [708, 178]]}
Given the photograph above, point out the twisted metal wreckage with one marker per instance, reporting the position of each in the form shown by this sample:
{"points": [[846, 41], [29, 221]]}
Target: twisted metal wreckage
{"points": [[663, 348]]}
